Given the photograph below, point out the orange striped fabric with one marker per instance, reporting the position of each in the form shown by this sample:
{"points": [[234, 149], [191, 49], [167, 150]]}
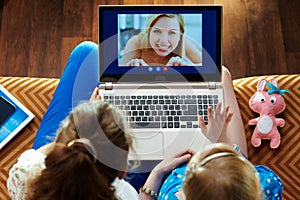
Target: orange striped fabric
{"points": [[285, 160], [36, 93]]}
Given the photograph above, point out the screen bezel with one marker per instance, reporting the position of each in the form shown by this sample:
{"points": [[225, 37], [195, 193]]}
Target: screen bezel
{"points": [[213, 76]]}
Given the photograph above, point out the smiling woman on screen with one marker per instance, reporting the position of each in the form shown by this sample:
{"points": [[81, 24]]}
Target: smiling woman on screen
{"points": [[162, 43]]}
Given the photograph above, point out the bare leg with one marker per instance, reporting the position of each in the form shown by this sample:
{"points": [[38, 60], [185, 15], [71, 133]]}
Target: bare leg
{"points": [[235, 133]]}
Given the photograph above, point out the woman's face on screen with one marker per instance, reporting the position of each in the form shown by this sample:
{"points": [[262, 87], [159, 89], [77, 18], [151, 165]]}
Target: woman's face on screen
{"points": [[165, 35]]}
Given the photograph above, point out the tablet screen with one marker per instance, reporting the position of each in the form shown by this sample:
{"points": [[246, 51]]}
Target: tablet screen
{"points": [[6, 109]]}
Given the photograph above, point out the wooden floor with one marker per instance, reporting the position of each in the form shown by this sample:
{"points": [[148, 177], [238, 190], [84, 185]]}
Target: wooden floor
{"points": [[259, 37]]}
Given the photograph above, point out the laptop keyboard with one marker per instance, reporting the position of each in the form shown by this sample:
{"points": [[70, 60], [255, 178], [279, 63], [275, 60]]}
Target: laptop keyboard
{"points": [[163, 111]]}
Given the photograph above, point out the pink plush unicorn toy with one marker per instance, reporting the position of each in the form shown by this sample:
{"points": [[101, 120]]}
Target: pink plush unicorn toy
{"points": [[268, 105]]}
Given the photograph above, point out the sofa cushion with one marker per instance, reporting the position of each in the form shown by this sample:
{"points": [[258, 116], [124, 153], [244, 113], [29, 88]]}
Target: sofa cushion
{"points": [[36, 94], [285, 159]]}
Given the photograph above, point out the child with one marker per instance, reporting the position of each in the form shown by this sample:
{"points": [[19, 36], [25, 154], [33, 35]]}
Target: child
{"points": [[208, 172], [77, 84], [221, 172], [78, 164]]}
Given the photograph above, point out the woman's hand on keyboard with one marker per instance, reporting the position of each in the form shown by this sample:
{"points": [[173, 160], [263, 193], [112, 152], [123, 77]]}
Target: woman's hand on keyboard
{"points": [[217, 122], [95, 95]]}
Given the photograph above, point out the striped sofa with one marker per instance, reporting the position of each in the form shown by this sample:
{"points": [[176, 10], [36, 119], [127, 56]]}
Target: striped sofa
{"points": [[36, 93]]}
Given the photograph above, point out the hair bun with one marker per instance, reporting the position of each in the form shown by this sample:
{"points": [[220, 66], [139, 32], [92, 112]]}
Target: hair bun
{"points": [[88, 147]]}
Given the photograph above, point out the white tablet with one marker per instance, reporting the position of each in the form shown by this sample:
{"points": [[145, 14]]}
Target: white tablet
{"points": [[14, 116]]}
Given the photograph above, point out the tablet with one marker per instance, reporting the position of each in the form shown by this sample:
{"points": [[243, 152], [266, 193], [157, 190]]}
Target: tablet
{"points": [[14, 116]]}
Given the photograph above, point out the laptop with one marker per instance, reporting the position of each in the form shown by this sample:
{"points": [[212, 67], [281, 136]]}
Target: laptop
{"points": [[162, 101]]}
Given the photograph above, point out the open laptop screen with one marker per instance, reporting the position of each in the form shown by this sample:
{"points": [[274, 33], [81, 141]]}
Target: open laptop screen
{"points": [[159, 43]]}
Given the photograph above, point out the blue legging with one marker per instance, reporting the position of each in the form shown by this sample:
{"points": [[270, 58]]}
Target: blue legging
{"points": [[77, 82]]}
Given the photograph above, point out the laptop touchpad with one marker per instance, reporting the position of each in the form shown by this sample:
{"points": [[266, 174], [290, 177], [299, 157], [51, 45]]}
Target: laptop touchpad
{"points": [[147, 145]]}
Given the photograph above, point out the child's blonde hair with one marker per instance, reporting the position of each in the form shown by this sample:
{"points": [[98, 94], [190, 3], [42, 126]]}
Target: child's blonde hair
{"points": [[221, 173]]}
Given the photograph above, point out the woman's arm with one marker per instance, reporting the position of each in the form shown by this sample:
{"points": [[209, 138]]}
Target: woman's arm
{"points": [[132, 52], [192, 57], [157, 175], [235, 131], [232, 133], [193, 51]]}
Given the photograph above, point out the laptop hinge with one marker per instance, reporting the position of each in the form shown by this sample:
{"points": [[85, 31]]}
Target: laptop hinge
{"points": [[212, 85], [108, 86]]}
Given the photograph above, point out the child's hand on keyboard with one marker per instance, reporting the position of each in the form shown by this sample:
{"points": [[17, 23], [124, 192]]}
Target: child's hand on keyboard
{"points": [[217, 122], [95, 95]]}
